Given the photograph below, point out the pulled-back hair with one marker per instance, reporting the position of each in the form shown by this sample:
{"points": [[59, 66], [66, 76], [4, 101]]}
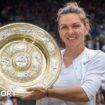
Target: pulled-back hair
{"points": [[73, 7]]}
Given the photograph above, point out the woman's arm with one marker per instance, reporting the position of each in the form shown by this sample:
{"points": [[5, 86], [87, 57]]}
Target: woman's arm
{"points": [[67, 93], [75, 93]]}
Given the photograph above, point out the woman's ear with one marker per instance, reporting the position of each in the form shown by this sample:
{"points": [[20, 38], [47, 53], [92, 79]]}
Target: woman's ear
{"points": [[87, 28]]}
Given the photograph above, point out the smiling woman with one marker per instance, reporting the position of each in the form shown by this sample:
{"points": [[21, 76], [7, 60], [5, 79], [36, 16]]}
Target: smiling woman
{"points": [[73, 25], [82, 68]]}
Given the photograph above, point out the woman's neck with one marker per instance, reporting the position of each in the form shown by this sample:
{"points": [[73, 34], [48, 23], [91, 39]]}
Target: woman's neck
{"points": [[74, 52]]}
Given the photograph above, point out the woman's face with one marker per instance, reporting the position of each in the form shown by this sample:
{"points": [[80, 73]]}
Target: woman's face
{"points": [[72, 30]]}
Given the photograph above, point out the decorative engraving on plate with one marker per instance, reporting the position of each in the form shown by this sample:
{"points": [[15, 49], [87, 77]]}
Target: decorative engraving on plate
{"points": [[19, 64]]}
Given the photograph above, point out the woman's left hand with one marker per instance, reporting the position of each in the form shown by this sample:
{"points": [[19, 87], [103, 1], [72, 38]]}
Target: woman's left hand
{"points": [[35, 93]]}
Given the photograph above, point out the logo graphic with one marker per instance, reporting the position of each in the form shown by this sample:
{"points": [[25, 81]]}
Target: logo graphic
{"points": [[86, 62]]}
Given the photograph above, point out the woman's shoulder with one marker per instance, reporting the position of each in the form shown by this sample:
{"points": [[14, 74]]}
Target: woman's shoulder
{"points": [[97, 62], [95, 53], [97, 59]]}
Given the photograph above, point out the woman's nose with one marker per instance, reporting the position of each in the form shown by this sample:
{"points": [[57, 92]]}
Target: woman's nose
{"points": [[70, 30]]}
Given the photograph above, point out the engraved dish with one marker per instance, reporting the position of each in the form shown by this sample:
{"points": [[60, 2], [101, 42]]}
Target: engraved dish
{"points": [[29, 57]]}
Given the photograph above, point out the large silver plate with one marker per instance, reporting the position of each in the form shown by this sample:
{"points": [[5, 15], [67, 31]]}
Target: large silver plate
{"points": [[29, 57]]}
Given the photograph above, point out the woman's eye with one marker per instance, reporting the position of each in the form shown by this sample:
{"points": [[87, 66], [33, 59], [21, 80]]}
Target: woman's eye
{"points": [[64, 27], [76, 26]]}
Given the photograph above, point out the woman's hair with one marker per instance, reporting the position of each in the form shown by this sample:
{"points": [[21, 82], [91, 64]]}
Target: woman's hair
{"points": [[73, 7]]}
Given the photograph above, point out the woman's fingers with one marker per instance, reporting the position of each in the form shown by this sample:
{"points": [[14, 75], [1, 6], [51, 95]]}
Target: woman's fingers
{"points": [[35, 88], [35, 93], [29, 96]]}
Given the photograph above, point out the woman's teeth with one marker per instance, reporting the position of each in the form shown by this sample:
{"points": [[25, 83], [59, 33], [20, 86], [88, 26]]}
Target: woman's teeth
{"points": [[71, 38]]}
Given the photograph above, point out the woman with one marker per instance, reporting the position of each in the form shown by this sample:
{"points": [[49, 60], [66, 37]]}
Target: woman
{"points": [[82, 68]]}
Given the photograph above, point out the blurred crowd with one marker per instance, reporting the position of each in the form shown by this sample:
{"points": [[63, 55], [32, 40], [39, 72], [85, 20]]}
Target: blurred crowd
{"points": [[6, 100], [43, 13]]}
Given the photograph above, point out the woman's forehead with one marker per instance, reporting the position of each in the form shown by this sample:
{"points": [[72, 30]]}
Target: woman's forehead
{"points": [[70, 18]]}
